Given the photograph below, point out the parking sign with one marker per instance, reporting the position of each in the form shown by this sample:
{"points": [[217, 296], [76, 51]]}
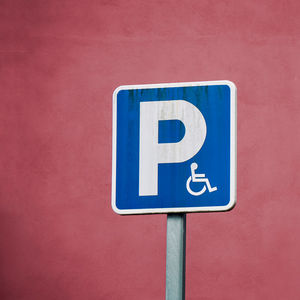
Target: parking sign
{"points": [[174, 148]]}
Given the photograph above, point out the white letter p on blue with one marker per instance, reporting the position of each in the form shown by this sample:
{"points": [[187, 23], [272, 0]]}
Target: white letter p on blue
{"points": [[153, 153]]}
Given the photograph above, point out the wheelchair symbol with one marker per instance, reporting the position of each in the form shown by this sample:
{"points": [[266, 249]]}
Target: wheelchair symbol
{"points": [[198, 178]]}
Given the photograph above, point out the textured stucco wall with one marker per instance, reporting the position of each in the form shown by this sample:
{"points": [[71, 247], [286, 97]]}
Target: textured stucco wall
{"points": [[59, 64]]}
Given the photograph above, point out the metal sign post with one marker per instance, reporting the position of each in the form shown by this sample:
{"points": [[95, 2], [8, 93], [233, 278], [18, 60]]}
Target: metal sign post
{"points": [[175, 262], [174, 152]]}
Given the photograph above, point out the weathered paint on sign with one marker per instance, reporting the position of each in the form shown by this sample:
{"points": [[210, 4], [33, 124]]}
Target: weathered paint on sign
{"points": [[174, 147]]}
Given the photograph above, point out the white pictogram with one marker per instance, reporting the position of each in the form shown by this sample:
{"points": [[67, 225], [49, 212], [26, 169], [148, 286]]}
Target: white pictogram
{"points": [[198, 178]]}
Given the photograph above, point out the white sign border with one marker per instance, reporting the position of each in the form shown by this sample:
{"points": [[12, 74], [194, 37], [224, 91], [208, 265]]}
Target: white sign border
{"points": [[233, 150]]}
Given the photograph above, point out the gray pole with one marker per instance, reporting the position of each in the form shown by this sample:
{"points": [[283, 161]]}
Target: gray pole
{"points": [[175, 266]]}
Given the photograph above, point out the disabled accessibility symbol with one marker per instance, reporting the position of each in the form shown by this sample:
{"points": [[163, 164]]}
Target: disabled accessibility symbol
{"points": [[198, 178]]}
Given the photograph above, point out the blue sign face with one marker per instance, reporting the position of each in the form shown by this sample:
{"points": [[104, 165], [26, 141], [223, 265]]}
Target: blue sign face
{"points": [[174, 148]]}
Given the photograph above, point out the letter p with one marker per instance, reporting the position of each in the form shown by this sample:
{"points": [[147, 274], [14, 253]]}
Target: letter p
{"points": [[153, 153]]}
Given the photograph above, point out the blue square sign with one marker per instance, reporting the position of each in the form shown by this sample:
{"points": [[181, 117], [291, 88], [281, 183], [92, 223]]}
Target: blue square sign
{"points": [[174, 148]]}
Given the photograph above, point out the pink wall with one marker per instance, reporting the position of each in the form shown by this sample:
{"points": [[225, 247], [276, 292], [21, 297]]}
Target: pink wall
{"points": [[60, 62]]}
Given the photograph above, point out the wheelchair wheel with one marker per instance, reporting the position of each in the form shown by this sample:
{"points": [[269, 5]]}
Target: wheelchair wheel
{"points": [[192, 192]]}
